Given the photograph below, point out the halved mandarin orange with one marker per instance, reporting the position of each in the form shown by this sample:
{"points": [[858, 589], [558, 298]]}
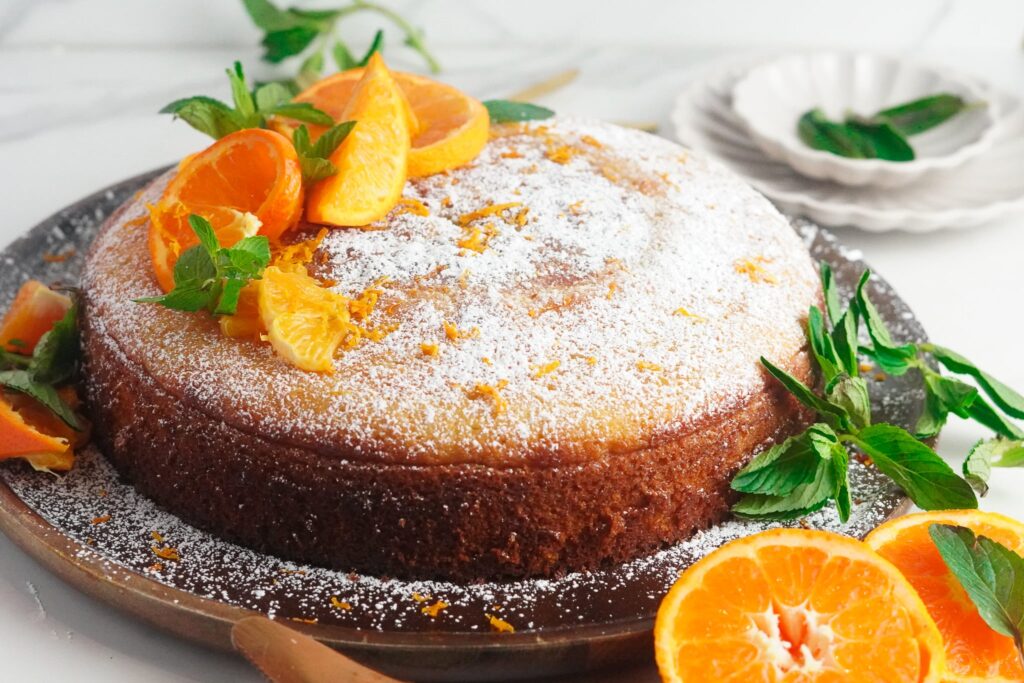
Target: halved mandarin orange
{"points": [[33, 312], [449, 128], [372, 160], [249, 173], [794, 605], [974, 652], [305, 322]]}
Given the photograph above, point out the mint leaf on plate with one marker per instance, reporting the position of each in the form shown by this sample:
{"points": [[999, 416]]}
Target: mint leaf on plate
{"points": [[990, 573], [919, 471]]}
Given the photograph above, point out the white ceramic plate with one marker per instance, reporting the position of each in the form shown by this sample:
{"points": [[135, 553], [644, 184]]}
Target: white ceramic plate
{"points": [[772, 97], [985, 188]]}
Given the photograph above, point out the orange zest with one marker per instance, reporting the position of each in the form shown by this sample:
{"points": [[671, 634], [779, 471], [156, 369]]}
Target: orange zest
{"points": [[974, 652], [449, 128], [249, 174], [372, 160], [793, 605], [33, 312]]}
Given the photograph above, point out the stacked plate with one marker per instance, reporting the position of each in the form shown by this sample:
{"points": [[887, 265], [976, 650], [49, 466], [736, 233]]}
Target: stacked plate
{"points": [[968, 171]]}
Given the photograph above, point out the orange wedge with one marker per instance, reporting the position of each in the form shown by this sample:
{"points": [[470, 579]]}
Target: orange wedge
{"points": [[33, 312], [30, 431], [371, 161], [790, 605], [305, 322], [252, 173], [974, 652], [449, 128]]}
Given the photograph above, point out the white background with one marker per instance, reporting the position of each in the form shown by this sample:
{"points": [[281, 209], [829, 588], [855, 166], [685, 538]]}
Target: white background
{"points": [[80, 81]]}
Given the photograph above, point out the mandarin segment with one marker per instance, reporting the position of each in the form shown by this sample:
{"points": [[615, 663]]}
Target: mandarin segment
{"points": [[795, 605], [35, 309], [372, 161], [974, 652]]}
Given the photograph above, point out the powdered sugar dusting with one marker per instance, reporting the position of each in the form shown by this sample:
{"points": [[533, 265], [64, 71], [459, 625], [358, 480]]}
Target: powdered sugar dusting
{"points": [[651, 278]]}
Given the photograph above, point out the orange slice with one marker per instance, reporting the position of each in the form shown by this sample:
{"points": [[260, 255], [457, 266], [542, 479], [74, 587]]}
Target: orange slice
{"points": [[974, 652], [794, 605], [33, 312], [249, 173], [30, 431], [305, 322], [371, 161], [449, 128]]}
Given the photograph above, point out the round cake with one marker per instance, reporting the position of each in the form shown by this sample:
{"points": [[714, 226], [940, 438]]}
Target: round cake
{"points": [[567, 372]]}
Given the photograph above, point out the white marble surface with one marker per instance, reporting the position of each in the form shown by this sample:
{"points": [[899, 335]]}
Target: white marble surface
{"points": [[80, 81]]}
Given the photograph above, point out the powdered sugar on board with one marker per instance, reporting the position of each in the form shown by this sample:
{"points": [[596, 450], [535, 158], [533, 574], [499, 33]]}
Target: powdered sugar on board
{"points": [[629, 288], [127, 535]]}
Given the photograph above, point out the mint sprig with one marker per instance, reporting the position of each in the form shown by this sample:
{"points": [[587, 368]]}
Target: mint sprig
{"points": [[211, 277], [314, 158], [292, 32], [54, 361], [807, 471], [990, 573], [251, 108]]}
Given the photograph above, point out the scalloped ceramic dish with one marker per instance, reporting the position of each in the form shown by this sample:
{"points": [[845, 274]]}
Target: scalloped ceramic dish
{"points": [[986, 188], [772, 97]]}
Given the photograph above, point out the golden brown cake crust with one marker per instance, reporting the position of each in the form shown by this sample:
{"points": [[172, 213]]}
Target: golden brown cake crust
{"points": [[459, 521]]}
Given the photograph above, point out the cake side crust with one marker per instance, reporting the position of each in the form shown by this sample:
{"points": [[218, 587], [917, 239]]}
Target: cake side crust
{"points": [[456, 521]]}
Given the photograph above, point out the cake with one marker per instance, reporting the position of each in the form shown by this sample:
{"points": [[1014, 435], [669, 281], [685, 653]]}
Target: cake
{"points": [[569, 376]]}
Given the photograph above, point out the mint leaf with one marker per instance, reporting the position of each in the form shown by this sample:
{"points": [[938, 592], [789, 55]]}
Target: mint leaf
{"points": [[918, 470], [851, 394], [343, 57], [267, 16], [802, 501], [13, 361], [943, 395], [990, 573], [244, 104], [270, 95], [56, 354], [981, 412], [989, 453], [302, 111], [784, 466], [506, 111], [284, 43], [796, 477], [894, 359], [1008, 400], [822, 347], [22, 382], [844, 340], [332, 138], [835, 414], [313, 158], [923, 114], [207, 115], [831, 292], [375, 46], [885, 141]]}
